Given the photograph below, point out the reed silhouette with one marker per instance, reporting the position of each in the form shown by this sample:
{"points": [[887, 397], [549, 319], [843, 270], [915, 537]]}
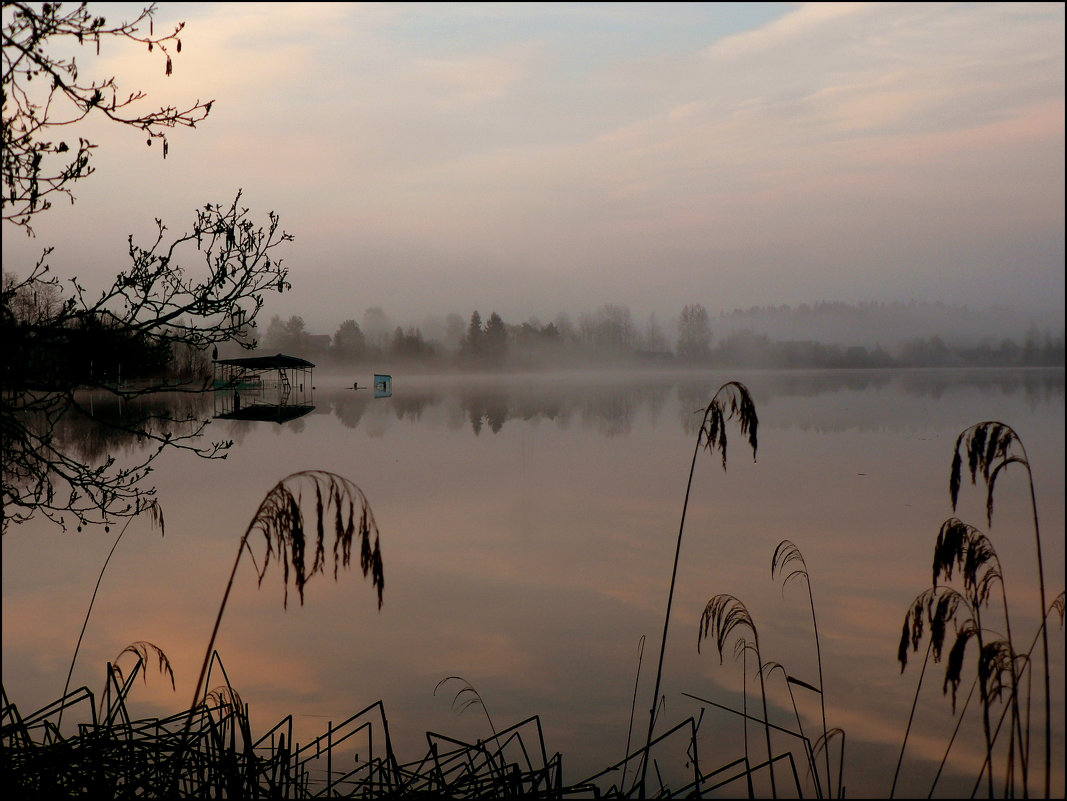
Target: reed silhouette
{"points": [[287, 536], [141, 649], [947, 609], [987, 448], [991, 447], [731, 401], [823, 744]]}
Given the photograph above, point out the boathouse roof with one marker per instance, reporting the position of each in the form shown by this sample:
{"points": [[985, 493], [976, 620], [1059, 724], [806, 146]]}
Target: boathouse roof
{"points": [[278, 361]]}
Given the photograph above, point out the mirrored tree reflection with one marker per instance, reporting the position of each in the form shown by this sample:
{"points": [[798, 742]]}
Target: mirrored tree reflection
{"points": [[105, 425], [606, 405]]}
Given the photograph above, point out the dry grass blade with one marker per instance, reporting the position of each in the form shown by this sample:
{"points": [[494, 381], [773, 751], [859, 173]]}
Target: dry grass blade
{"points": [[156, 514]]}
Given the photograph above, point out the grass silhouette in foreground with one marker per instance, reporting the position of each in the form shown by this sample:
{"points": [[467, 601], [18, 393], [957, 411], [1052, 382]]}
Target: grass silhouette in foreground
{"points": [[988, 448], [330, 500], [731, 401], [724, 617]]}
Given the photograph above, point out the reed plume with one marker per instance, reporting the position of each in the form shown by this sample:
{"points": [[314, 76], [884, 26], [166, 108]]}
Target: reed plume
{"points": [[724, 618], [292, 519], [470, 696], [141, 649], [226, 699], [823, 744]]}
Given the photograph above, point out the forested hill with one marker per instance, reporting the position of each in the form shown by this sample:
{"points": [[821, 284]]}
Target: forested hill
{"points": [[886, 324]]}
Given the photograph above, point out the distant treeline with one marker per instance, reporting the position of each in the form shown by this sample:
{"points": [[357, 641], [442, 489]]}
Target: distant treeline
{"points": [[46, 349], [610, 336]]}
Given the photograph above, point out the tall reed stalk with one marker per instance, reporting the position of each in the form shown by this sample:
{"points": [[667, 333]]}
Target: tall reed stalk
{"points": [[771, 667], [732, 400], [156, 516], [633, 708], [788, 555]]}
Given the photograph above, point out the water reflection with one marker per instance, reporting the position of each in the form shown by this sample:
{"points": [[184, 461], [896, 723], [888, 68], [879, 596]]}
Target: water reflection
{"points": [[104, 425], [527, 528], [608, 404]]}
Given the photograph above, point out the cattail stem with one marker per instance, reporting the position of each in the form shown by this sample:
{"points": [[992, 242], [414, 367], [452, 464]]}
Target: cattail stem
{"points": [[766, 720], [218, 621], [85, 623]]}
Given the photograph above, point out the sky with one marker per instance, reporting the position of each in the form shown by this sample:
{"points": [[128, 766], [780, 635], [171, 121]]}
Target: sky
{"points": [[536, 159]]}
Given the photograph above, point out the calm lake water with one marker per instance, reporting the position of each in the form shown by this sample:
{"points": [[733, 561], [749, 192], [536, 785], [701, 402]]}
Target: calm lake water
{"points": [[528, 526]]}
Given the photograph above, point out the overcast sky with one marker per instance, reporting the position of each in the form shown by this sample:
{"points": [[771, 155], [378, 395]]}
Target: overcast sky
{"points": [[533, 159]]}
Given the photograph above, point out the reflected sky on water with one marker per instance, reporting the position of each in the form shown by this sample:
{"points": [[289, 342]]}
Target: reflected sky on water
{"points": [[528, 525]]}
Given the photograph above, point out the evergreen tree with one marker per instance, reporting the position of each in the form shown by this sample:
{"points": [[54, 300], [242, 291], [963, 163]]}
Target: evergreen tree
{"points": [[694, 334], [495, 339], [474, 341]]}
